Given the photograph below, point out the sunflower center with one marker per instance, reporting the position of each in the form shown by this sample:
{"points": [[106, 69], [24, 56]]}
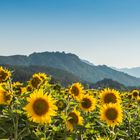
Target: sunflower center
{"points": [[7, 97], [111, 114], [86, 103], [3, 75], [110, 98], [75, 91], [35, 82], [43, 77], [135, 94], [29, 88], [40, 107], [73, 118]]}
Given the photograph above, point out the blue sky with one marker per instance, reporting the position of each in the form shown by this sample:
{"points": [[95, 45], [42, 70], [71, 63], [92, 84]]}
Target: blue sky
{"points": [[101, 31]]}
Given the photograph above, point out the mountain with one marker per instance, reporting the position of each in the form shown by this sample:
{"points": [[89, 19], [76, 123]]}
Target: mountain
{"points": [[89, 63], [71, 64], [132, 71], [108, 83]]}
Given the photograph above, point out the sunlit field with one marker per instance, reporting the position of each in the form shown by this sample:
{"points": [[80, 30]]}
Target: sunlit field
{"points": [[40, 110]]}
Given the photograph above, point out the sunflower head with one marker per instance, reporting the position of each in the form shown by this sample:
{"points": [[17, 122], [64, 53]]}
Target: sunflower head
{"points": [[5, 96], [109, 96], [135, 93], [43, 76], [4, 74], [76, 90], [61, 105], [17, 87], [74, 119], [112, 114], [29, 88], [87, 103], [36, 81], [40, 107]]}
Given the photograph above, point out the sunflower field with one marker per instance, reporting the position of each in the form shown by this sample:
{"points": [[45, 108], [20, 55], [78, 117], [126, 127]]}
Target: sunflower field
{"points": [[39, 110]]}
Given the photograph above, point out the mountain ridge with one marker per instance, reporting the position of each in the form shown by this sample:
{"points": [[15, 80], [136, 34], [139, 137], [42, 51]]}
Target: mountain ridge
{"points": [[135, 71], [71, 63]]}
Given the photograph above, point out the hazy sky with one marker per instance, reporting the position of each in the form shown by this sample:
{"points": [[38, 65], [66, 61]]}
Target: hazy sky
{"points": [[101, 31]]}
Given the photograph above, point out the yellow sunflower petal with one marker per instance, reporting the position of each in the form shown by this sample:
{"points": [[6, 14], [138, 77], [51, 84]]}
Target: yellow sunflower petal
{"points": [[87, 103], [112, 114], [74, 118], [76, 90], [40, 107], [109, 96]]}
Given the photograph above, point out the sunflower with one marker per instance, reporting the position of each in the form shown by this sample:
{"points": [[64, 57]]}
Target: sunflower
{"points": [[17, 87], [112, 114], [76, 90], [109, 96], [29, 88], [61, 105], [5, 96], [36, 81], [4, 74], [40, 107], [74, 119], [87, 103], [135, 93], [43, 76]]}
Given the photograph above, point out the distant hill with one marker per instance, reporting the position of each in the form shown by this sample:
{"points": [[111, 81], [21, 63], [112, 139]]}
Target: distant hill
{"points": [[105, 83], [72, 64], [132, 71]]}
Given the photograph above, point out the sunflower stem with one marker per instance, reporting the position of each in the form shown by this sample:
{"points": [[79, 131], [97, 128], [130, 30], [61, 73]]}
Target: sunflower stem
{"points": [[15, 123], [15, 119], [66, 114], [112, 134]]}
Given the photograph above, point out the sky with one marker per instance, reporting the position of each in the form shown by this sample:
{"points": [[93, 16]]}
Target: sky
{"points": [[100, 31]]}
